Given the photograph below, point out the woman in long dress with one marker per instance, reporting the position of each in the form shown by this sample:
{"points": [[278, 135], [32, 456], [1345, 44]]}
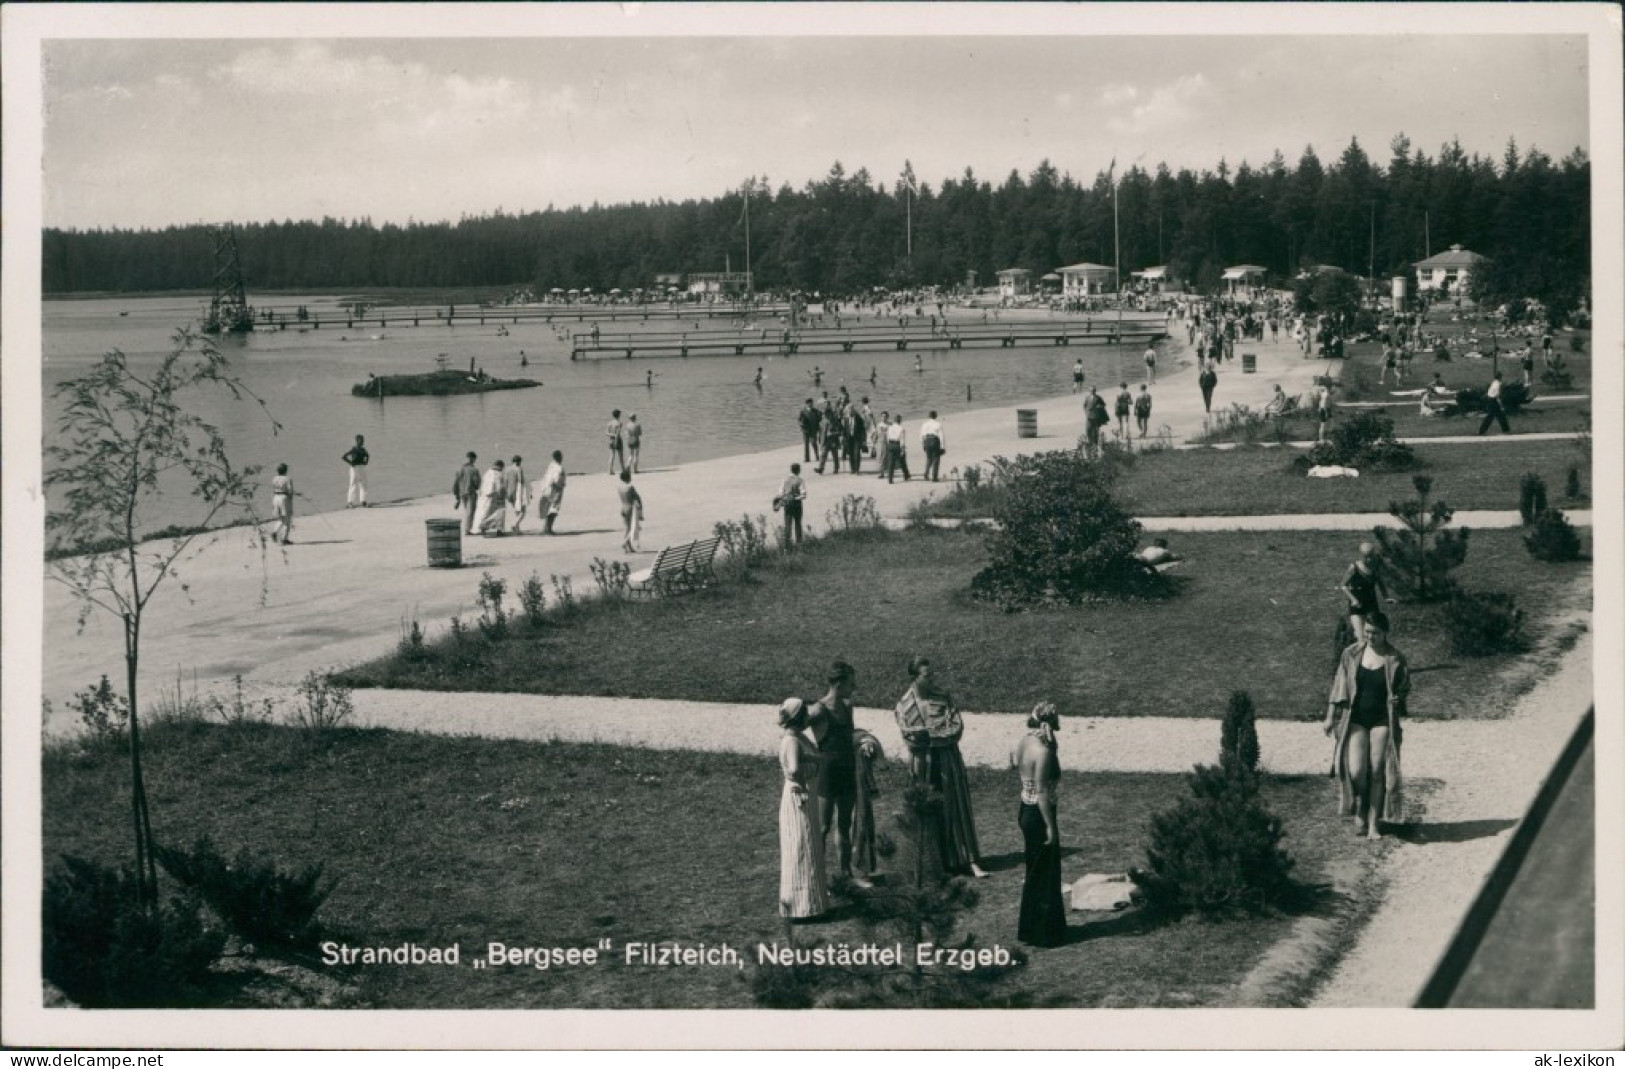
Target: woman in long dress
{"points": [[631, 512], [803, 892], [282, 505], [1364, 710], [931, 727], [1043, 909]]}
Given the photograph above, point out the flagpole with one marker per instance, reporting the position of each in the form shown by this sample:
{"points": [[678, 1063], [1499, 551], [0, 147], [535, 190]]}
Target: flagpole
{"points": [[750, 281]]}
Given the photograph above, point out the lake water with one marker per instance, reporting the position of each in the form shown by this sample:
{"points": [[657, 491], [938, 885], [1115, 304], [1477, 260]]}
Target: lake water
{"points": [[699, 407]]}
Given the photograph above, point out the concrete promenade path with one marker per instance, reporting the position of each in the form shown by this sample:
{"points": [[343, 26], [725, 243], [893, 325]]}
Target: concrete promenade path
{"points": [[354, 579]]}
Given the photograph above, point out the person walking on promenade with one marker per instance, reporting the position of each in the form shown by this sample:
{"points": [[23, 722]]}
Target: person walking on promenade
{"points": [[517, 490], [491, 517], [356, 457], [1150, 365], [1094, 417], [614, 434], [1364, 712], [1142, 410], [1077, 375], [1526, 360], [634, 442], [830, 719], [1493, 412], [934, 444], [1122, 407], [857, 434], [810, 422], [1042, 921], [1208, 380], [803, 883], [896, 457], [282, 506], [792, 493], [465, 491], [552, 491], [631, 512], [1364, 588], [832, 437], [931, 727]]}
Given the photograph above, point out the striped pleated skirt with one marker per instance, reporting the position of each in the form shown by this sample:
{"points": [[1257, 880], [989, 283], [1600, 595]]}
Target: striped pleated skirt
{"points": [[803, 891], [956, 834]]}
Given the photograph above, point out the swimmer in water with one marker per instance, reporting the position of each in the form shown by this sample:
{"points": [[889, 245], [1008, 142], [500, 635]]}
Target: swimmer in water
{"points": [[523, 362], [919, 365], [758, 378], [649, 378], [874, 374]]}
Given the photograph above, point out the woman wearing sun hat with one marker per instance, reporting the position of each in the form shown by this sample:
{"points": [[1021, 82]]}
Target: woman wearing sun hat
{"points": [[803, 891]]}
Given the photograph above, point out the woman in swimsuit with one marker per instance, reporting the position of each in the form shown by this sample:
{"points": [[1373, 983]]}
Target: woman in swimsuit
{"points": [[1363, 712]]}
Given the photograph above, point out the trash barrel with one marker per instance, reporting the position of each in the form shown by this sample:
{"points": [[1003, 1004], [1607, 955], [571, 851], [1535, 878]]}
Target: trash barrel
{"points": [[1026, 423], [1249, 363], [445, 543]]}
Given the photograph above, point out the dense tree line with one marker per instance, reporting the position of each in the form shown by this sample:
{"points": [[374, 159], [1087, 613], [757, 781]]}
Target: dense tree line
{"points": [[847, 232]]}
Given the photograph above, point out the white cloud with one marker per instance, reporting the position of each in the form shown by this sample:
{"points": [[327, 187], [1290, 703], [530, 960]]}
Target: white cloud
{"points": [[1118, 94], [1163, 108]]}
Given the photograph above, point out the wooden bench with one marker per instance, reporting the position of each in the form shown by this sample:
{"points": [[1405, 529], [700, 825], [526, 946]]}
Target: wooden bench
{"points": [[677, 569]]}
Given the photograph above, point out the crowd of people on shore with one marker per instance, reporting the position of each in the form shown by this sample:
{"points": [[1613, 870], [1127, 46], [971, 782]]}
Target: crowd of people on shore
{"points": [[837, 429]]}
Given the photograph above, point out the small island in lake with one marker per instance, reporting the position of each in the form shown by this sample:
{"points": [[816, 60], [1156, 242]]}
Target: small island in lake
{"points": [[441, 383]]}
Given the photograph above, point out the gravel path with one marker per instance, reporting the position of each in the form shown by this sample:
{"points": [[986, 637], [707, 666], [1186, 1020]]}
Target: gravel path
{"points": [[1490, 776]]}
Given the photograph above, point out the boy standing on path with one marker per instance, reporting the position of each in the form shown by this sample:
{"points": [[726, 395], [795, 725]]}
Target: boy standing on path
{"points": [[809, 420], [1150, 365], [553, 491], [613, 433], [1077, 376], [792, 492], [465, 491], [931, 441], [1142, 410], [356, 457], [1493, 412], [517, 491], [634, 442]]}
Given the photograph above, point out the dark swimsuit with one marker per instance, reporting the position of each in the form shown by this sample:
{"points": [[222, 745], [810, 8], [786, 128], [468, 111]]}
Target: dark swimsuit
{"points": [[1370, 698]]}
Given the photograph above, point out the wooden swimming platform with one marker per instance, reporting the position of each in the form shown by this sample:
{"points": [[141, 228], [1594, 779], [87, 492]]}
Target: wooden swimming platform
{"points": [[779, 341]]}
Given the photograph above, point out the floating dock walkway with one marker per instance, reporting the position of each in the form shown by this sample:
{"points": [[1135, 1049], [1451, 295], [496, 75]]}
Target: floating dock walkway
{"points": [[780, 341]]}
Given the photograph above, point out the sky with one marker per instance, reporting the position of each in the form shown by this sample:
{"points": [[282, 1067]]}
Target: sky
{"points": [[152, 132]]}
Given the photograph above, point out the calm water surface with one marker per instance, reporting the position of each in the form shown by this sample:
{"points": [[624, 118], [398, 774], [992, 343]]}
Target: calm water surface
{"points": [[698, 408]]}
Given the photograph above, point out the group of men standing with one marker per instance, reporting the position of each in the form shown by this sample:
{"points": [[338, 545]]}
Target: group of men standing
{"points": [[837, 428], [486, 500]]}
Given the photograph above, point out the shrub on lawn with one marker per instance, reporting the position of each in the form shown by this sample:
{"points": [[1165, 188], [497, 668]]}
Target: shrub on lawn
{"points": [[1417, 559], [746, 541], [492, 621], [104, 712], [533, 600], [323, 704], [1062, 538], [1531, 497], [1514, 395], [1483, 623], [854, 512], [104, 949], [238, 708], [1364, 441], [614, 578], [255, 898], [1571, 486], [1552, 537], [412, 648], [1218, 852]]}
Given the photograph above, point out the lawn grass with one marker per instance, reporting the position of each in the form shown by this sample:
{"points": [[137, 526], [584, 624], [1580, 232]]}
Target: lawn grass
{"points": [[1256, 611], [440, 840], [1262, 481]]}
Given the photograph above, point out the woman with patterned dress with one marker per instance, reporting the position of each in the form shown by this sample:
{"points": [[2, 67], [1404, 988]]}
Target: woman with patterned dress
{"points": [[803, 892], [1043, 909], [1363, 712], [931, 727]]}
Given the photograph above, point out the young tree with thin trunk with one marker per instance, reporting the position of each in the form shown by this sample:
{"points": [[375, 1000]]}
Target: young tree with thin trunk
{"points": [[127, 447]]}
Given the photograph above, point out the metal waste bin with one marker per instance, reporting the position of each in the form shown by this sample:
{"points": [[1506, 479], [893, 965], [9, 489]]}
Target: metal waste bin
{"points": [[1249, 363], [1026, 423], [445, 543]]}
